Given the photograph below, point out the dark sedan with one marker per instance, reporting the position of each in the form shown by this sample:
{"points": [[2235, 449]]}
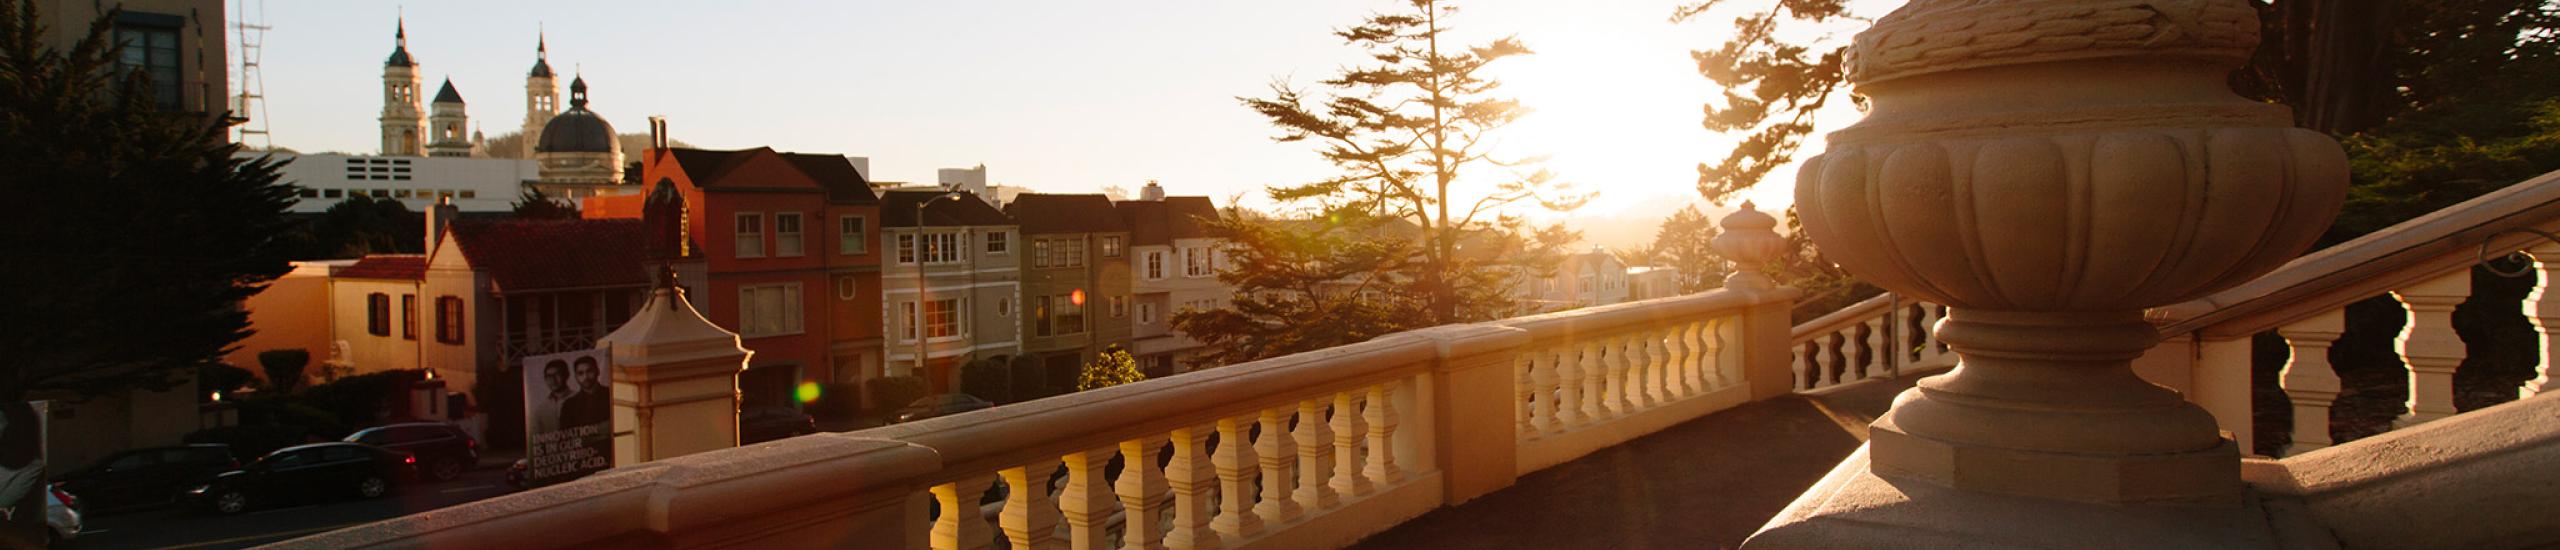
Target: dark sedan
{"points": [[306, 473], [147, 476], [444, 451]]}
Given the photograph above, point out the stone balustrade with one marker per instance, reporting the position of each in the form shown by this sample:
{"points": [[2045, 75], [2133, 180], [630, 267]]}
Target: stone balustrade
{"points": [[2425, 265], [1312, 450], [1881, 336]]}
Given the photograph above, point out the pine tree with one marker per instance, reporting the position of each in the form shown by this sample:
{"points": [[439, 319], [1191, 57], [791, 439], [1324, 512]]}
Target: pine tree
{"points": [[1112, 367], [1685, 242], [534, 205], [137, 231], [1414, 229]]}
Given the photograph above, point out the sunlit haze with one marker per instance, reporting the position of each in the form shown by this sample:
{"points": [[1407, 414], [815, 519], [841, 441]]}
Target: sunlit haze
{"points": [[1061, 97]]}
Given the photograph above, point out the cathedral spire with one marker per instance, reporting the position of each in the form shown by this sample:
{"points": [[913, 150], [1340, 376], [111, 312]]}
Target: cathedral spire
{"points": [[541, 56], [400, 46]]}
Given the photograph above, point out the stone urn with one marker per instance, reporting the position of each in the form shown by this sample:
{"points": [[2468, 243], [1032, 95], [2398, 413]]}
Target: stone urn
{"points": [[2049, 169]]}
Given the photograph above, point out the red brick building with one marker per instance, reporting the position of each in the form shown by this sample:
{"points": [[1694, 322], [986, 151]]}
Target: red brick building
{"points": [[792, 262]]}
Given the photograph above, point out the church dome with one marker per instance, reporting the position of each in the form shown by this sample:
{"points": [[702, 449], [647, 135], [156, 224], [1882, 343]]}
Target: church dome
{"points": [[578, 130]]}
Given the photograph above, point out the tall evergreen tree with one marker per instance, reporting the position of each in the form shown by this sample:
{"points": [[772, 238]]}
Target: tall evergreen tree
{"points": [[1419, 207], [1686, 242], [534, 205], [137, 232]]}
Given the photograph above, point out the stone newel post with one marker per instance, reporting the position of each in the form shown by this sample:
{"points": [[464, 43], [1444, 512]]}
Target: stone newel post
{"points": [[2050, 168], [675, 381]]}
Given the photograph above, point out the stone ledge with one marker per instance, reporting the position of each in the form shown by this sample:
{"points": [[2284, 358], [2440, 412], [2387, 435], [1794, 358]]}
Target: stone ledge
{"points": [[1852, 508], [2207, 477]]}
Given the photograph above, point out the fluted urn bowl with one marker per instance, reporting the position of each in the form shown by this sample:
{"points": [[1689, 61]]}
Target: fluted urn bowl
{"points": [[2111, 175]]}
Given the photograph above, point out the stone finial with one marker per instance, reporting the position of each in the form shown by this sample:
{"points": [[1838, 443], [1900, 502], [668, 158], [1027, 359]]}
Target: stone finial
{"points": [[1749, 239]]}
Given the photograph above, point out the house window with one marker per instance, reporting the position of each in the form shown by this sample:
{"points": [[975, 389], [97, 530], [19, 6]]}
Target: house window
{"points": [[906, 249], [377, 314], [996, 242], [1195, 262], [1004, 307], [852, 235], [1057, 315], [847, 288], [750, 236], [409, 316], [150, 46], [1119, 307], [769, 309], [786, 234], [941, 318], [1111, 247], [1040, 253], [1146, 314], [1155, 265], [1071, 252], [939, 248], [449, 319]]}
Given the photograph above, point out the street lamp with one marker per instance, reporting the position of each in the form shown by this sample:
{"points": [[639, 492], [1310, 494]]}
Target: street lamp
{"points": [[917, 323]]}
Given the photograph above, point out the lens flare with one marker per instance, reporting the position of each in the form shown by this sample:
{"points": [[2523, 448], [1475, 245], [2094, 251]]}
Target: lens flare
{"points": [[807, 393]]}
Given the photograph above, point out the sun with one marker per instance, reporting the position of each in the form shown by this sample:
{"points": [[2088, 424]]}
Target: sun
{"points": [[1616, 113]]}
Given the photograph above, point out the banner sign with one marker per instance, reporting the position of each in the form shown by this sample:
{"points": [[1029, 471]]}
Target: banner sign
{"points": [[568, 416]]}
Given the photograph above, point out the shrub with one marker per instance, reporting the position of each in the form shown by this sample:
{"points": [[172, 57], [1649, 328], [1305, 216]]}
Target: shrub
{"points": [[1110, 368], [284, 367], [988, 379], [221, 377], [250, 442], [292, 411], [888, 393], [361, 400]]}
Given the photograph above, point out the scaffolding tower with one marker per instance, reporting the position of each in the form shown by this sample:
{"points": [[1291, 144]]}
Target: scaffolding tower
{"points": [[250, 104]]}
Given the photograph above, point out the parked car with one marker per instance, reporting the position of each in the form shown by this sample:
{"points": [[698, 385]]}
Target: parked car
{"points": [[763, 424], [444, 451], [939, 405], [61, 515], [304, 473], [147, 476]]}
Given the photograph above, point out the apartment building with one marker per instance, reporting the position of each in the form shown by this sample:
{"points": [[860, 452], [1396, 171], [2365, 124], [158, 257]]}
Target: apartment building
{"points": [[950, 283], [1075, 280], [1173, 259]]}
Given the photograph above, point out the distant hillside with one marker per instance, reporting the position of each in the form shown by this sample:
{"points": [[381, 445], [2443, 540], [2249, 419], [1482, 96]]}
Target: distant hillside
{"points": [[1634, 226]]}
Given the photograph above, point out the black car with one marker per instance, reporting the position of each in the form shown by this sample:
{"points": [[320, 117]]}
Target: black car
{"points": [[939, 405], [763, 424], [147, 476], [443, 451], [304, 473]]}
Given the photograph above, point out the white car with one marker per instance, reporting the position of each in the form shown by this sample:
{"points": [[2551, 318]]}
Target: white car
{"points": [[62, 514]]}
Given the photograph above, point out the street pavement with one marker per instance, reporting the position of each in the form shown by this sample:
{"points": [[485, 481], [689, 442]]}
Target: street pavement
{"points": [[178, 527]]}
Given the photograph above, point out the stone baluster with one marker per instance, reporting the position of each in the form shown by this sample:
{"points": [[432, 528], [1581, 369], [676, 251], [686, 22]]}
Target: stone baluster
{"points": [[2542, 307], [1930, 314], [2308, 380], [1879, 352], [1144, 495], [1694, 359], [1192, 479], [1314, 437], [1595, 383], [1613, 363], [1828, 356], [1087, 501], [1673, 350], [1524, 390], [1278, 450], [1806, 365], [1347, 431], [1673, 380], [2430, 347], [1638, 390], [1542, 392], [1381, 416], [1707, 360], [961, 526], [1568, 389], [1030, 518], [1237, 469]]}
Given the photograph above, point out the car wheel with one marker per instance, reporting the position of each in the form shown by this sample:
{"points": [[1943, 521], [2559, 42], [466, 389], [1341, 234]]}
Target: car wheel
{"points": [[445, 469], [230, 502], [372, 487]]}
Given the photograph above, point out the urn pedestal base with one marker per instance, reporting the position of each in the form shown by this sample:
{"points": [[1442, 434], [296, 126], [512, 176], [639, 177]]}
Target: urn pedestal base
{"points": [[2209, 477]]}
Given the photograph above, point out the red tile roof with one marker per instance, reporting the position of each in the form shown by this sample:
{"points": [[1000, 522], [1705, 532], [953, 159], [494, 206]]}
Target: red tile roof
{"points": [[532, 255], [402, 267]]}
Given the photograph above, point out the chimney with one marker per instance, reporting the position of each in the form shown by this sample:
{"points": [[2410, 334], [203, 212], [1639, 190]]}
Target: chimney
{"points": [[657, 132], [1151, 192], [439, 216]]}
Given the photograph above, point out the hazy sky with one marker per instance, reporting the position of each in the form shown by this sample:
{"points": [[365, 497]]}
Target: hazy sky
{"points": [[1055, 96]]}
